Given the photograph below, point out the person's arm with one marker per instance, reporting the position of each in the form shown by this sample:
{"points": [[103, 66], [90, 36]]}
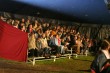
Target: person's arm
{"points": [[97, 63], [94, 66], [105, 66], [102, 59], [93, 71]]}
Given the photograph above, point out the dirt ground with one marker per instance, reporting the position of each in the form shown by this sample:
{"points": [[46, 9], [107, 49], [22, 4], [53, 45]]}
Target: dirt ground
{"points": [[16, 67]]}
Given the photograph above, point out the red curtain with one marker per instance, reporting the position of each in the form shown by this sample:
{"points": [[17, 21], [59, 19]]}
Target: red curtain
{"points": [[13, 43]]}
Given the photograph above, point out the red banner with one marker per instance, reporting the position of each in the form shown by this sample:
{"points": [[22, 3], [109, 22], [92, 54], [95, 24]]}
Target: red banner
{"points": [[13, 43]]}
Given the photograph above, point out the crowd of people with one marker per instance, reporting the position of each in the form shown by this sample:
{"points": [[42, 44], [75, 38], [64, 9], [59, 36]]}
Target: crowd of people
{"points": [[47, 38]]}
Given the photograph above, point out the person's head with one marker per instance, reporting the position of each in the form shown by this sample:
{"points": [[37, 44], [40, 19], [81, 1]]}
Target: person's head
{"points": [[28, 20], [87, 39], [48, 25], [30, 26], [32, 35], [39, 37], [78, 38], [105, 45], [22, 28], [1, 17], [17, 21], [15, 24], [36, 22], [44, 25], [9, 21], [22, 24], [51, 35], [43, 35], [75, 37], [23, 20], [57, 36]]}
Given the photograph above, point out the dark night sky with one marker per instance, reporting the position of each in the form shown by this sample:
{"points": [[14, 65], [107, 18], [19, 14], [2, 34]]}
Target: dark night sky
{"points": [[91, 10]]}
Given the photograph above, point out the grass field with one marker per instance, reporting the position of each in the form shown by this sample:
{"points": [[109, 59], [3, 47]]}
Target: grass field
{"points": [[81, 64]]}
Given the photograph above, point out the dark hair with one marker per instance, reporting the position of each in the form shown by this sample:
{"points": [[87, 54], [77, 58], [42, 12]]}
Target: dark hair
{"points": [[105, 44]]}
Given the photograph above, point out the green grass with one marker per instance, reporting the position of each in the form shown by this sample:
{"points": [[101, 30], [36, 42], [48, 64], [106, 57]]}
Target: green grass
{"points": [[81, 64]]}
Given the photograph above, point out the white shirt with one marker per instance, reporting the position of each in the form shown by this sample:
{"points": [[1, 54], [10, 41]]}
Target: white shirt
{"points": [[107, 54]]}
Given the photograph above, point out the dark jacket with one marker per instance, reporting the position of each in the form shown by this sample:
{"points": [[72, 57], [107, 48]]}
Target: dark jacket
{"points": [[98, 62]]}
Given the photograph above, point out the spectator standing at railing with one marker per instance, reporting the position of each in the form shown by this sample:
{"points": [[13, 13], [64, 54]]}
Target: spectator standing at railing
{"points": [[85, 45], [79, 45]]}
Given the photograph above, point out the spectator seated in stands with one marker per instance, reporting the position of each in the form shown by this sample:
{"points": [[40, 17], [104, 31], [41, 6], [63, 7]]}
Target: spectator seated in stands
{"points": [[52, 43], [85, 43], [61, 45], [45, 47], [53, 34], [55, 44], [39, 46], [65, 46], [32, 45]]}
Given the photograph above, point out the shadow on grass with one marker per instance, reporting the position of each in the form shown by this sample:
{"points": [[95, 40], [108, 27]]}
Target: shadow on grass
{"points": [[81, 59], [26, 70]]}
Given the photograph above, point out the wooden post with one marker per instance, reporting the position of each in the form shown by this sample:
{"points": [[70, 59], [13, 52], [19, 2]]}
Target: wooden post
{"points": [[33, 61], [69, 56], [76, 55], [71, 51], [86, 52]]}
